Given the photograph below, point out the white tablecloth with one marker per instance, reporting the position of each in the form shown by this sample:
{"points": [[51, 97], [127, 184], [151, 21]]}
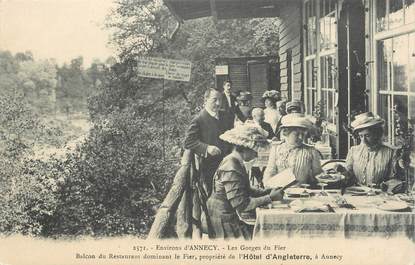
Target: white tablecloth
{"points": [[365, 221]]}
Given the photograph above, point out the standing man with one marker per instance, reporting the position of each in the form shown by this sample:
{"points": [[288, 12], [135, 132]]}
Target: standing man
{"points": [[202, 137], [229, 106]]}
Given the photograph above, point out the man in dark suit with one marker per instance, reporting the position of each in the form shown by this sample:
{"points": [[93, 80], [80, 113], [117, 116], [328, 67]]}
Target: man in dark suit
{"points": [[229, 106], [258, 118], [202, 137]]}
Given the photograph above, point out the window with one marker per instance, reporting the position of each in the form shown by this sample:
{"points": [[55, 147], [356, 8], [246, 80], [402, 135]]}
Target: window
{"points": [[310, 51], [396, 78], [392, 14], [321, 75], [395, 62], [311, 88], [328, 70], [311, 27]]}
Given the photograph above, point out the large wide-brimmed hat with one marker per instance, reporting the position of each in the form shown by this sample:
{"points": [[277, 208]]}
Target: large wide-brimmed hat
{"points": [[246, 135], [272, 94], [297, 120], [294, 104], [366, 120], [244, 95]]}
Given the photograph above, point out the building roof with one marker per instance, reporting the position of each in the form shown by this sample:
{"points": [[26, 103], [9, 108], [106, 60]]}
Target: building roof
{"points": [[223, 9]]}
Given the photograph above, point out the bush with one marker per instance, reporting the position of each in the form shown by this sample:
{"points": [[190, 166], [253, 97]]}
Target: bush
{"points": [[30, 199], [114, 180]]}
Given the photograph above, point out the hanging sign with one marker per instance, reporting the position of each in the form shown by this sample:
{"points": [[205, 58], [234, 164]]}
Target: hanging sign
{"points": [[178, 70], [221, 69]]}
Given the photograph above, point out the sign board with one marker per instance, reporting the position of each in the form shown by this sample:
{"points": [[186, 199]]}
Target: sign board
{"points": [[178, 70], [151, 67], [221, 70]]}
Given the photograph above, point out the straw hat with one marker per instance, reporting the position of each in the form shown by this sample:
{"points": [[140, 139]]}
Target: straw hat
{"points": [[272, 94], [244, 95], [293, 104], [246, 135], [366, 120], [296, 120]]}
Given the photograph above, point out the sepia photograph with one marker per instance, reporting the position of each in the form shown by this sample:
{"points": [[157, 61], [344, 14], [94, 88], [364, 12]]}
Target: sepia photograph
{"points": [[207, 131]]}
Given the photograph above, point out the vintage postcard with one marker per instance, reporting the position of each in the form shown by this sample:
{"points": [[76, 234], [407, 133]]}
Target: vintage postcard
{"points": [[207, 132]]}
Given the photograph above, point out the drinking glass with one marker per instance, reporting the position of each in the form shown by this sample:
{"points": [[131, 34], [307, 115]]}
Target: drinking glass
{"points": [[322, 185], [305, 193], [371, 191]]}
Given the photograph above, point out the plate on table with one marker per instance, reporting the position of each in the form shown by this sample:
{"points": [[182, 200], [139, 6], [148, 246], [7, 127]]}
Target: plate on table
{"points": [[393, 206], [329, 178], [297, 192], [358, 190], [279, 205], [310, 206]]}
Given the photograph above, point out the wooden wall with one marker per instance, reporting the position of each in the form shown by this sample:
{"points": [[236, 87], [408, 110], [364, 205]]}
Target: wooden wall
{"points": [[291, 39]]}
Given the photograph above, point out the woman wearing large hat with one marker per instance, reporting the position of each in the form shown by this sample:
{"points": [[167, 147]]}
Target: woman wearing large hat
{"points": [[370, 162], [292, 153], [232, 193], [272, 114]]}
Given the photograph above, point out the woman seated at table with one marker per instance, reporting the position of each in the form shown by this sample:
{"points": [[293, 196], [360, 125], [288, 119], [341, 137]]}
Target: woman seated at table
{"points": [[371, 161], [292, 153], [232, 193]]}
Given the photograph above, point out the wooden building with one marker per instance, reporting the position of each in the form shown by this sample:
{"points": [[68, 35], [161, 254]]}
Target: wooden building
{"points": [[253, 74], [351, 55]]}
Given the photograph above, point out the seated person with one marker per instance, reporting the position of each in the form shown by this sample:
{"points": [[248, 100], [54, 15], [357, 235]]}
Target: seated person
{"points": [[272, 114], [244, 103], [294, 106], [292, 153], [232, 193], [258, 119], [371, 161]]}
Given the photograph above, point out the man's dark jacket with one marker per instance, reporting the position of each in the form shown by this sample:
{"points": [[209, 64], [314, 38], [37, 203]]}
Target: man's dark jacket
{"points": [[204, 130], [267, 127], [230, 112]]}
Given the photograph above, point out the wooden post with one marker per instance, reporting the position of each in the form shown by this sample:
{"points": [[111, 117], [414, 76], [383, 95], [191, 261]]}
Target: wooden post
{"points": [[165, 214]]}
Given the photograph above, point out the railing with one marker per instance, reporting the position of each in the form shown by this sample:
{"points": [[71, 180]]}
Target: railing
{"points": [[185, 200]]}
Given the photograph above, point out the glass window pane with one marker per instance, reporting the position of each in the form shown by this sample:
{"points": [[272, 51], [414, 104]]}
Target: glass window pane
{"points": [[328, 27], [400, 63], [311, 45], [411, 72], [306, 15], [409, 11], [323, 76], [412, 117], [401, 106], [311, 72], [383, 111], [384, 61], [322, 8], [331, 71], [333, 31], [330, 114], [381, 15], [324, 103], [396, 13], [309, 101], [412, 108], [323, 37]]}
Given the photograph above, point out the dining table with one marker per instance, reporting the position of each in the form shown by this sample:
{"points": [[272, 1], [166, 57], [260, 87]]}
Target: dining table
{"points": [[344, 216]]}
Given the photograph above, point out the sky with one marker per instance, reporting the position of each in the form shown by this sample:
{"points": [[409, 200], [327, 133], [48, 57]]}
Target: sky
{"points": [[60, 29]]}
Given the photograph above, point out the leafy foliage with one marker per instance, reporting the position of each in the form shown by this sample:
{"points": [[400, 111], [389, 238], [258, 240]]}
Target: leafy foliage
{"points": [[113, 182]]}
